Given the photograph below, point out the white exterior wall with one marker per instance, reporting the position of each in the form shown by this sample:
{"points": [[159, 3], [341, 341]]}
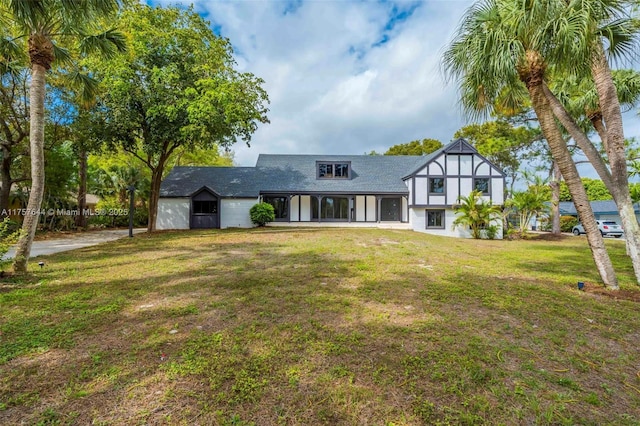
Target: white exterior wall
{"points": [[483, 169], [452, 190], [360, 211], [405, 213], [234, 213], [418, 224], [371, 208], [436, 167], [173, 213], [421, 189], [497, 191], [465, 165], [452, 164], [293, 209], [305, 211]]}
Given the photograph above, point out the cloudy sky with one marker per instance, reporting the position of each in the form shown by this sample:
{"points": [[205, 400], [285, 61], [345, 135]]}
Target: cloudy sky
{"points": [[345, 76]]}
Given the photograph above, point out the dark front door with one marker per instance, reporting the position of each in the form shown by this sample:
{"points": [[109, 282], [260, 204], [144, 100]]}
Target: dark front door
{"points": [[390, 210], [204, 211]]}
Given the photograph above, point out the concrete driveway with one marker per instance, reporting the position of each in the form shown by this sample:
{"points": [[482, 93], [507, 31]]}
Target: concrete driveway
{"points": [[76, 241]]}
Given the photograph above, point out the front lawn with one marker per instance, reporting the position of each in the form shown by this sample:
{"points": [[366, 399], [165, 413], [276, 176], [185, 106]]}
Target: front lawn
{"points": [[319, 326]]}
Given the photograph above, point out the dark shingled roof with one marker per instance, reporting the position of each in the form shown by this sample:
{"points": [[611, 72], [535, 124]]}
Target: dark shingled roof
{"points": [[294, 174], [369, 173], [239, 182], [274, 173], [598, 207]]}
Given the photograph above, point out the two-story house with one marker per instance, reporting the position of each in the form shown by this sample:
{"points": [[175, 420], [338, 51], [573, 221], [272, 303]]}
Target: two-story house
{"points": [[373, 190]]}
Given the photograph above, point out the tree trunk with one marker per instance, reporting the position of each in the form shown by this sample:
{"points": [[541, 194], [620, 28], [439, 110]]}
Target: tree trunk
{"points": [[36, 140], [5, 181], [81, 220], [555, 199], [562, 157], [583, 142], [156, 180], [616, 154]]}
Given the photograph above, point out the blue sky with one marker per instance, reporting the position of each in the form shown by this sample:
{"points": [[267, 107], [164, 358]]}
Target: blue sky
{"points": [[345, 77]]}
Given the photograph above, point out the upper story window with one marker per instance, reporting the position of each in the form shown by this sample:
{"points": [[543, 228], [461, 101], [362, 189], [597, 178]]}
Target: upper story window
{"points": [[482, 185], [436, 185], [333, 170]]}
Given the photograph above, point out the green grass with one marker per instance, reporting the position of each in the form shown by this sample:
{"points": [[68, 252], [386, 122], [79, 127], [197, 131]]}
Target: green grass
{"points": [[319, 326]]}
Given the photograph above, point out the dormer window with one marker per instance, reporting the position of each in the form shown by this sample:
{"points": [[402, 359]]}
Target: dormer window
{"points": [[333, 170]]}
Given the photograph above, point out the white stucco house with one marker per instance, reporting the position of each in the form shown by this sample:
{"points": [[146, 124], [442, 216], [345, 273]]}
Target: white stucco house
{"points": [[418, 191]]}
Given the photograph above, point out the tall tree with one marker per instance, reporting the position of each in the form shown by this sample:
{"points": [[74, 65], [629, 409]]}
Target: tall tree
{"points": [[176, 89], [417, 147], [47, 26], [596, 24], [504, 43]]}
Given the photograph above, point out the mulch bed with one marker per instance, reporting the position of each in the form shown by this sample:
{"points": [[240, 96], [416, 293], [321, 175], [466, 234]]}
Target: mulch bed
{"points": [[622, 294]]}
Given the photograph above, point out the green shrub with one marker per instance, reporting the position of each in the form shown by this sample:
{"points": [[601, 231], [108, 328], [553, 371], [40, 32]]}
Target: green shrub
{"points": [[9, 235], [567, 223], [262, 213], [491, 232]]}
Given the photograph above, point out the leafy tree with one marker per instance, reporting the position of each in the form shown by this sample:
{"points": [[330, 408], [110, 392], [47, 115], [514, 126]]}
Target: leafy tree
{"points": [[635, 192], [176, 89], [596, 190], [527, 204], [417, 147], [475, 212], [47, 26], [507, 46]]}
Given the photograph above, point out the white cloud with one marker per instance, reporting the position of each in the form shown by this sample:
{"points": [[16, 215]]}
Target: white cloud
{"points": [[345, 77]]}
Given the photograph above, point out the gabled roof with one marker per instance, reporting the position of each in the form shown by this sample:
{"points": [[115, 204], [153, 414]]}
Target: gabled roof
{"points": [[458, 146]]}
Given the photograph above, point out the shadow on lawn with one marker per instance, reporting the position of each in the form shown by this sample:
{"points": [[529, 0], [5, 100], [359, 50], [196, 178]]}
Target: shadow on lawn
{"points": [[255, 329]]}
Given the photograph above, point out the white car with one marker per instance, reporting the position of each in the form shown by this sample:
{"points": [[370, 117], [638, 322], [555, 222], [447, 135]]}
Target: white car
{"points": [[606, 227]]}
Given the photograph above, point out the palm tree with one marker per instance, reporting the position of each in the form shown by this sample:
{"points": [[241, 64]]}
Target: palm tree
{"points": [[48, 25], [505, 43], [528, 204], [475, 212]]}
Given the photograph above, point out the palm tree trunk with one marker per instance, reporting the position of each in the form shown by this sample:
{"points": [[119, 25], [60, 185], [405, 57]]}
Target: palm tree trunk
{"points": [[36, 138], [562, 157], [555, 199], [616, 154], [583, 142]]}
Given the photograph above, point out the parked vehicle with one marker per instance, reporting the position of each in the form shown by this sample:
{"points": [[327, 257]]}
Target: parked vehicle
{"points": [[606, 227]]}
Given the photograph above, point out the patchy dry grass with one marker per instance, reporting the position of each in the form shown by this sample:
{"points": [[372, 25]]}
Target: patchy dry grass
{"points": [[321, 326]]}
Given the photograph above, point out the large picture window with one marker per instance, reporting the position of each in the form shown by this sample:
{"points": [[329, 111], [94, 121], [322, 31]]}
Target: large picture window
{"points": [[336, 208], [333, 170], [280, 206], [435, 219], [482, 185], [436, 185]]}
